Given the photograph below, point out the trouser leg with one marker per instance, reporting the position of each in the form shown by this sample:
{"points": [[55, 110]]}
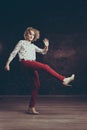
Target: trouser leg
{"points": [[37, 65], [35, 90]]}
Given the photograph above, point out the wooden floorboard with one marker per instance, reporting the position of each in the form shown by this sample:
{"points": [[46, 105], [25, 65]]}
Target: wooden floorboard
{"points": [[56, 113]]}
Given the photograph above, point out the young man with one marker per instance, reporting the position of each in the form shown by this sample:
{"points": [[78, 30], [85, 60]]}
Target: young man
{"points": [[27, 57]]}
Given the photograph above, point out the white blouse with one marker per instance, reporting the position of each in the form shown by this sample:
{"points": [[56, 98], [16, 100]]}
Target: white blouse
{"points": [[26, 51]]}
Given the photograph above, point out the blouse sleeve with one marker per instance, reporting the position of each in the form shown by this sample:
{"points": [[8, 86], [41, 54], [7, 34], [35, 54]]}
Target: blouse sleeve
{"points": [[42, 51], [15, 51]]}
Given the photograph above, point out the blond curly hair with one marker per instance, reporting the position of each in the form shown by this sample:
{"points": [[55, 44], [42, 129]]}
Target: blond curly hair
{"points": [[37, 33]]}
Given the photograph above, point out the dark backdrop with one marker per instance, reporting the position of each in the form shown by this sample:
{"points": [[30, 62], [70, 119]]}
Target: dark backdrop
{"points": [[64, 23]]}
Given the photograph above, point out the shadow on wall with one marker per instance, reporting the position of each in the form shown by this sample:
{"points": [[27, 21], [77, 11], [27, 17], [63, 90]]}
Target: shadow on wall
{"points": [[67, 55]]}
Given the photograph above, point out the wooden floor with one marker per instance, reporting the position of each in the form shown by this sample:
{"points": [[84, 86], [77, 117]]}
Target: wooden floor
{"points": [[56, 113]]}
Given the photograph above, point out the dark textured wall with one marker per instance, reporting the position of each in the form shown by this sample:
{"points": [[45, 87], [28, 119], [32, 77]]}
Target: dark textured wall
{"points": [[67, 54], [65, 25]]}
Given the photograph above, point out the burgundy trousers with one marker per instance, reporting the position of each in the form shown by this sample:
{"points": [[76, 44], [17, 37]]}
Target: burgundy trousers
{"points": [[35, 66]]}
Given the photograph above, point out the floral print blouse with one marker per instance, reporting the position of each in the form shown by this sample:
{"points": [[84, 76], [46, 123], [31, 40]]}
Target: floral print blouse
{"points": [[26, 50]]}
